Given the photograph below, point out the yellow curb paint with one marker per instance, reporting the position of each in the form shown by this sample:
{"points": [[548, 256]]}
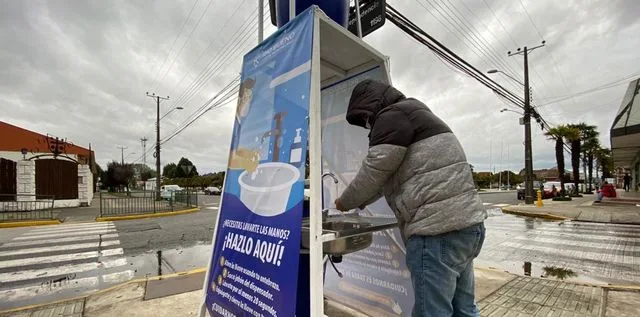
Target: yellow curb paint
{"points": [[102, 291], [534, 214], [143, 216], [17, 224]]}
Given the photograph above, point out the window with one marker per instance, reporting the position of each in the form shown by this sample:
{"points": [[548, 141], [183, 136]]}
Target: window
{"points": [[80, 180]]}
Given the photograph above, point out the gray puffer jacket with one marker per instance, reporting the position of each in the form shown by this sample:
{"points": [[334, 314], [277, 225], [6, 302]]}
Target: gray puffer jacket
{"points": [[414, 160]]}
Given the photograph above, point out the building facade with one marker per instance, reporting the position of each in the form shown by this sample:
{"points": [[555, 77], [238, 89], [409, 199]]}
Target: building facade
{"points": [[36, 167], [625, 134]]}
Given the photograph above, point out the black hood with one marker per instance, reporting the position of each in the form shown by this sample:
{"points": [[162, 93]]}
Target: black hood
{"points": [[367, 99]]}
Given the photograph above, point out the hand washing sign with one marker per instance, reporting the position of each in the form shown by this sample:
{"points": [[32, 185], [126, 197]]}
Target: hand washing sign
{"points": [[254, 265], [376, 280]]}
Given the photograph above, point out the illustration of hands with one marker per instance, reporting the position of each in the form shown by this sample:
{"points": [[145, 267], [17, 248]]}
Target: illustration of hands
{"points": [[245, 159]]}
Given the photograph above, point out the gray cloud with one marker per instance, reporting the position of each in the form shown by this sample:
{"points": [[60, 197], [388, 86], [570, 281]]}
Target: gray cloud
{"points": [[80, 69]]}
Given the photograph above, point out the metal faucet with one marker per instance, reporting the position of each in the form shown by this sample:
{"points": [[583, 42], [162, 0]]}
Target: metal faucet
{"points": [[335, 179], [277, 132]]}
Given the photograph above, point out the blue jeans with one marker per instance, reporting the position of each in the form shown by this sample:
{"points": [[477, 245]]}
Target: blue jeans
{"points": [[442, 272]]}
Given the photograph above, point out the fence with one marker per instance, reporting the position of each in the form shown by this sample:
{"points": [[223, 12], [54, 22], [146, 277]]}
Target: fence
{"points": [[26, 207], [111, 205]]}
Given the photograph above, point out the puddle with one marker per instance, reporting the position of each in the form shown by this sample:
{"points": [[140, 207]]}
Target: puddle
{"points": [[168, 261]]}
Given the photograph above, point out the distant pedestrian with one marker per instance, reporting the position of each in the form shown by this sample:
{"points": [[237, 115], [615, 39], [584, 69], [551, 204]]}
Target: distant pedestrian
{"points": [[418, 163], [627, 182]]}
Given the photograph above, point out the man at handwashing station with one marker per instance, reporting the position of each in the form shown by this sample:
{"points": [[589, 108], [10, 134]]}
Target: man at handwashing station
{"points": [[418, 164]]}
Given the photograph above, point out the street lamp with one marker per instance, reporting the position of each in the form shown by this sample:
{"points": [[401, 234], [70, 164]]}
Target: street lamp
{"points": [[493, 71], [170, 111], [505, 109]]}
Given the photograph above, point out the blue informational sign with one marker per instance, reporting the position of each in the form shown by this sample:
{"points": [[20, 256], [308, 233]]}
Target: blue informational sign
{"points": [[376, 280], [255, 257]]}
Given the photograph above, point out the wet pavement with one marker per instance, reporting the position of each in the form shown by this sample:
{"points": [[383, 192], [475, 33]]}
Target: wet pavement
{"points": [[43, 264], [576, 251]]}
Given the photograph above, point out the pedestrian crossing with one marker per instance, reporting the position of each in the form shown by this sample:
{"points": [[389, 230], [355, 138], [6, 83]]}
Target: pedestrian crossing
{"points": [[61, 261], [494, 205], [608, 253]]}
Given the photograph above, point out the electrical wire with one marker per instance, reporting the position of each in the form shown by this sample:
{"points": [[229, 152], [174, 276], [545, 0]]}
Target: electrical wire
{"points": [[188, 39], [155, 82]]}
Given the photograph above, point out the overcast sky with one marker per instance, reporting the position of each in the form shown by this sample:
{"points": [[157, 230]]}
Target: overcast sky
{"points": [[80, 70]]}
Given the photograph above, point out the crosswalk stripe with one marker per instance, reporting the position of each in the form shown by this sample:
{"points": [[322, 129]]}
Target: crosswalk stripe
{"points": [[68, 247], [60, 258], [571, 243], [62, 270], [65, 229], [75, 225], [61, 240], [501, 205], [88, 283], [54, 235], [486, 204], [117, 277]]}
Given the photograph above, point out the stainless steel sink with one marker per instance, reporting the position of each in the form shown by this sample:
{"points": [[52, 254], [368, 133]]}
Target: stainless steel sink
{"points": [[344, 245]]}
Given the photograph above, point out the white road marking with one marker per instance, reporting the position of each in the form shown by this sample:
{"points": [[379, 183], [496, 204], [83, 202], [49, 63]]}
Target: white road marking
{"points": [[67, 229], [60, 258], [213, 208], [118, 277], [62, 270], [55, 235], [87, 283], [61, 240], [501, 205], [61, 248], [486, 204]]}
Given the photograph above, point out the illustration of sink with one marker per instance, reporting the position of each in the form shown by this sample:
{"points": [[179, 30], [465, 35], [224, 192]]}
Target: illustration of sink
{"points": [[344, 245], [266, 191]]}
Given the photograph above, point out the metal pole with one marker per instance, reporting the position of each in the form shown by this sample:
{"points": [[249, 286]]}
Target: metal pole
{"points": [[158, 172], [358, 22], [528, 198], [292, 9], [260, 20]]}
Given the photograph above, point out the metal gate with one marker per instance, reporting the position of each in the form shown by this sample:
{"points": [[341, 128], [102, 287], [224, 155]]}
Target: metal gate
{"points": [[7, 180], [58, 178]]}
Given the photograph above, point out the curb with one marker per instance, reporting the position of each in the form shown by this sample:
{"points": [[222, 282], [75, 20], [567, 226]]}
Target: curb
{"points": [[534, 214], [143, 216], [31, 223], [106, 290]]}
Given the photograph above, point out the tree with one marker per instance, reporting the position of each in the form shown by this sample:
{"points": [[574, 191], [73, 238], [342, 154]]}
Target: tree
{"points": [[169, 170], [118, 175], [185, 169], [574, 138], [589, 149], [558, 134], [603, 157], [589, 138], [144, 172]]}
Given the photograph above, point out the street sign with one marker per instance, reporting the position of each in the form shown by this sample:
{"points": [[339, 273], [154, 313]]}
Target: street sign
{"points": [[372, 16]]}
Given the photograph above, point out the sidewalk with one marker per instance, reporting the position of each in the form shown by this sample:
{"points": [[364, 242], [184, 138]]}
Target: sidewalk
{"points": [[498, 294], [581, 209]]}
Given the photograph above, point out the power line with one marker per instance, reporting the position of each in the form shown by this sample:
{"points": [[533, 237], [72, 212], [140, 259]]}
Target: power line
{"points": [[188, 39], [214, 40], [175, 40], [531, 20]]}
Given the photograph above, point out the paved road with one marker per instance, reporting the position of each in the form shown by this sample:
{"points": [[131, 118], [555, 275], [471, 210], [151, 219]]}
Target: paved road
{"points": [[499, 199], [42, 264]]}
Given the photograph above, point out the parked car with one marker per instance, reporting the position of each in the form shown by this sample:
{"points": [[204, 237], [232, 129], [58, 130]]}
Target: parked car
{"points": [[520, 189], [212, 191], [167, 191]]}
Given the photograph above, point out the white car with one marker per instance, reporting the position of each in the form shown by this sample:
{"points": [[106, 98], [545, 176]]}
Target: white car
{"points": [[166, 191], [212, 191]]}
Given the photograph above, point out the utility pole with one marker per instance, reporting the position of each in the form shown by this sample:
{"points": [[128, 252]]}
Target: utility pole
{"points": [[144, 140], [528, 110], [157, 152], [122, 148]]}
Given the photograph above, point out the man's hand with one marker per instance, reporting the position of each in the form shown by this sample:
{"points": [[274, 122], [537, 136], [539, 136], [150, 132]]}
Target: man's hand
{"points": [[339, 205]]}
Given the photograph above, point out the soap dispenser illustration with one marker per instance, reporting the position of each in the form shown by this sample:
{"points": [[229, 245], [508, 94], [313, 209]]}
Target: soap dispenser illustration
{"points": [[295, 156]]}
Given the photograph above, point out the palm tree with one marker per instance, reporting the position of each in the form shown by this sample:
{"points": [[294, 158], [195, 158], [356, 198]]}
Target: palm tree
{"points": [[603, 157], [559, 134], [574, 138], [589, 137]]}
